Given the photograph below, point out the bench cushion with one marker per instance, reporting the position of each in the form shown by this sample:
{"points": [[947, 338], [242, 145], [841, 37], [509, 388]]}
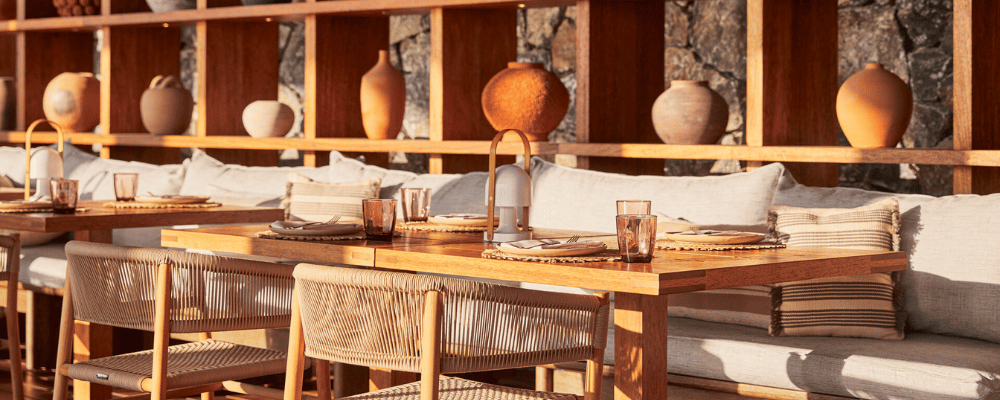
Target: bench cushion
{"points": [[96, 175], [924, 366]]}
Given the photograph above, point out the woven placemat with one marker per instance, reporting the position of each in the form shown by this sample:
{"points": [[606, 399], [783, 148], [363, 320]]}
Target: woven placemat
{"points": [[272, 235], [605, 255], [432, 227], [26, 210], [137, 204], [675, 245]]}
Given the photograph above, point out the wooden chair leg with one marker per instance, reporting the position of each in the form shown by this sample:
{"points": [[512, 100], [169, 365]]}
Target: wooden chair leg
{"points": [[594, 377], [322, 368], [296, 357], [65, 353]]}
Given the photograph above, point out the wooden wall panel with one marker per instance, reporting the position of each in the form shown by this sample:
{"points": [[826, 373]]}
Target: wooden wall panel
{"points": [[36, 9], [50, 54], [339, 51], [792, 79], [619, 74], [468, 47], [109, 7], [977, 113], [126, 74], [237, 65]]}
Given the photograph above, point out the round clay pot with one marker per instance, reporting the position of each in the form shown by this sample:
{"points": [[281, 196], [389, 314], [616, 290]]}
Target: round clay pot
{"points": [[262, 2], [383, 99], [525, 97], [171, 5], [166, 106], [73, 100], [268, 118], [690, 112], [874, 108], [8, 102], [76, 8]]}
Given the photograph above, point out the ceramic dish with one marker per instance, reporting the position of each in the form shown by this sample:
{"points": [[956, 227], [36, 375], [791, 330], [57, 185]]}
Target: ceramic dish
{"points": [[171, 199], [457, 220], [292, 228], [540, 252], [715, 237], [25, 205]]}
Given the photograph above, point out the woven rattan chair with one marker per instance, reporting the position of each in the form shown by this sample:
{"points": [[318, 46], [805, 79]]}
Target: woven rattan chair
{"points": [[435, 325], [10, 267], [166, 292]]}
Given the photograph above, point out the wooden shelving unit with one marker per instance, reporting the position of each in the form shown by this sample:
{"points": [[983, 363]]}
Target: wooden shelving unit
{"points": [[791, 82]]}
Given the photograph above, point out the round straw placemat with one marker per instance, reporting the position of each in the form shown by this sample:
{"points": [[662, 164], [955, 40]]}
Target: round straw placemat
{"points": [[432, 227], [604, 255], [139, 204], [272, 235], [25, 210], [675, 245]]}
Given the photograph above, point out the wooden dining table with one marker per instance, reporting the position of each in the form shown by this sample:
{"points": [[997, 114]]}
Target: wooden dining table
{"points": [[94, 222], [640, 289]]}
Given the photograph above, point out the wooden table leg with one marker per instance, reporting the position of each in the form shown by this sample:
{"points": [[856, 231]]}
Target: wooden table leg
{"points": [[349, 380], [640, 347], [91, 340]]}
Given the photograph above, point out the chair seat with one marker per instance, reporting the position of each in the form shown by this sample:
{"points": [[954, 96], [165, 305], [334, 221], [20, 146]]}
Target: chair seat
{"points": [[189, 364], [461, 389]]}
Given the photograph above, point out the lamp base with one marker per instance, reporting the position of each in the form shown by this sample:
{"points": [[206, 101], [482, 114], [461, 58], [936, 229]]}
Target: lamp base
{"points": [[499, 237]]}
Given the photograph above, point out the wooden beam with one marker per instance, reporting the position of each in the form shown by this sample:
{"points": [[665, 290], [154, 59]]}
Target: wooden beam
{"points": [[977, 113]]}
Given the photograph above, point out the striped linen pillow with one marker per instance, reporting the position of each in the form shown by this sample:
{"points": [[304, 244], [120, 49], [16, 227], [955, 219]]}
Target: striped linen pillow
{"points": [[868, 306], [308, 200]]}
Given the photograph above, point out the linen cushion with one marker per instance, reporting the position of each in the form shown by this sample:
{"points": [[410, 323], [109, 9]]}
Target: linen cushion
{"points": [[343, 169], [97, 181], [308, 200], [924, 366], [569, 198], [855, 306], [208, 175]]}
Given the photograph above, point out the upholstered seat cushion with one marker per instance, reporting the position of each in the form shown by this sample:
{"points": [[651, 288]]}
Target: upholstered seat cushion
{"points": [[924, 366]]}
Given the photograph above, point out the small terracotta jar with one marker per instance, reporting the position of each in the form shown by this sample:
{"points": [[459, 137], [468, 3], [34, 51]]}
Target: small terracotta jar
{"points": [[166, 106], [383, 99], [874, 108], [268, 118], [690, 112], [525, 97], [73, 100]]}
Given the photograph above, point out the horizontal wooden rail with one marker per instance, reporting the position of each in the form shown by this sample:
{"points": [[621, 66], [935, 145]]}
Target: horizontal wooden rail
{"points": [[279, 12], [807, 154]]}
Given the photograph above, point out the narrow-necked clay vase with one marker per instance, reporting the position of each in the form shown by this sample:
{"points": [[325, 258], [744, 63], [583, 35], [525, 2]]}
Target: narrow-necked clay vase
{"points": [[874, 108], [73, 100], [8, 102], [166, 106], [76, 8], [171, 5], [268, 118], [383, 99], [526, 97], [690, 112]]}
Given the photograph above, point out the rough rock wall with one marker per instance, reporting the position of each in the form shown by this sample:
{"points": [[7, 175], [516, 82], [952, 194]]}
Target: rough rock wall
{"points": [[704, 40]]}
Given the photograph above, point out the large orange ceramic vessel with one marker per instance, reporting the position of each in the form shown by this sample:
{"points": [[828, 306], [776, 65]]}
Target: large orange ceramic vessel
{"points": [[525, 97], [874, 108], [383, 99], [73, 100]]}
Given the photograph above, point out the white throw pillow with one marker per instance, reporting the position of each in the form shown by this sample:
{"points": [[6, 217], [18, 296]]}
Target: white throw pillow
{"points": [[260, 182], [97, 181]]}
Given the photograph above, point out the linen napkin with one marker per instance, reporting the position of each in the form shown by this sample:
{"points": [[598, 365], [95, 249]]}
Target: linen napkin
{"points": [[552, 244], [303, 225], [461, 216]]}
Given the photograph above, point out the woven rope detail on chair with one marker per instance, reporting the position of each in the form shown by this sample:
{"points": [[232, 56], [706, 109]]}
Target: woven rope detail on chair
{"points": [[461, 389], [190, 364], [7, 244], [115, 285], [374, 318]]}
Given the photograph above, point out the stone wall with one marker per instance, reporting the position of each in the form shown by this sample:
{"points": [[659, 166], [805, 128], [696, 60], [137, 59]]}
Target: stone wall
{"points": [[704, 40]]}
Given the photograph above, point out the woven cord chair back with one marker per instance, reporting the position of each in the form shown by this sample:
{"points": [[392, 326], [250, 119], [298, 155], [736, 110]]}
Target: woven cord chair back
{"points": [[373, 318], [116, 285]]}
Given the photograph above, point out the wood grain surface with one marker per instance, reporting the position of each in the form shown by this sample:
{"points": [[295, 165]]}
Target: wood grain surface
{"points": [[98, 218]]}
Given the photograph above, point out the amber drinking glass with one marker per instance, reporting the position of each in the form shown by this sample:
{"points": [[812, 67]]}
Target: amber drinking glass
{"points": [[64, 195], [380, 219], [636, 237]]}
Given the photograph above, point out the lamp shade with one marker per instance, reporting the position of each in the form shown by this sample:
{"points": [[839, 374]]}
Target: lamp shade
{"points": [[46, 163], [513, 187]]}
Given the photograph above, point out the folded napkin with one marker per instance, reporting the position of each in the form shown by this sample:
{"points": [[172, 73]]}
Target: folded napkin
{"points": [[709, 232], [303, 225], [461, 216], [552, 244]]}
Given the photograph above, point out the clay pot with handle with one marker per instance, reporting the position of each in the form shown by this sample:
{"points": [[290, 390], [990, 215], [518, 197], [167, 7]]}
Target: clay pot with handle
{"points": [[874, 108], [166, 106], [73, 100]]}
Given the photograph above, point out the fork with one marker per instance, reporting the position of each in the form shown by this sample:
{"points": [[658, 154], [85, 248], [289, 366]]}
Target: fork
{"points": [[573, 239]]}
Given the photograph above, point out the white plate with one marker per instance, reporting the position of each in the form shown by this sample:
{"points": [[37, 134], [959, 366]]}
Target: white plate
{"points": [[171, 199], [454, 221], [292, 228], [716, 238], [540, 252], [25, 205]]}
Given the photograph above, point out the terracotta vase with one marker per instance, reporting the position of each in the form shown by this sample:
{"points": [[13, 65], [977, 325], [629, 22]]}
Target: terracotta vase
{"points": [[76, 8], [874, 108], [690, 112], [171, 5], [525, 97], [268, 118], [383, 99], [166, 106], [8, 103], [73, 100]]}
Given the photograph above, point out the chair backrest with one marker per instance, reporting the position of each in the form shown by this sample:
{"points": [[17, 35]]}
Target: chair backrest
{"points": [[116, 285], [9, 255], [374, 318]]}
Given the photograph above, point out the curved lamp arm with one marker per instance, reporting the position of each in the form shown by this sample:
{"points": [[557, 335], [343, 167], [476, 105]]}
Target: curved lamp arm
{"points": [[493, 177], [27, 152]]}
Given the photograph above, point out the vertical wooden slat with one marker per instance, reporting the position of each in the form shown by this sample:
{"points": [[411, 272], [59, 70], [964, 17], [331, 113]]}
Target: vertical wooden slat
{"points": [[792, 79], [619, 74], [640, 374], [342, 50], [977, 113], [125, 75], [50, 54], [468, 47], [237, 65]]}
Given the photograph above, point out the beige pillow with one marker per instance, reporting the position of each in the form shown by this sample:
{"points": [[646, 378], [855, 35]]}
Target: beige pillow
{"points": [[868, 306], [307, 200], [5, 182]]}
